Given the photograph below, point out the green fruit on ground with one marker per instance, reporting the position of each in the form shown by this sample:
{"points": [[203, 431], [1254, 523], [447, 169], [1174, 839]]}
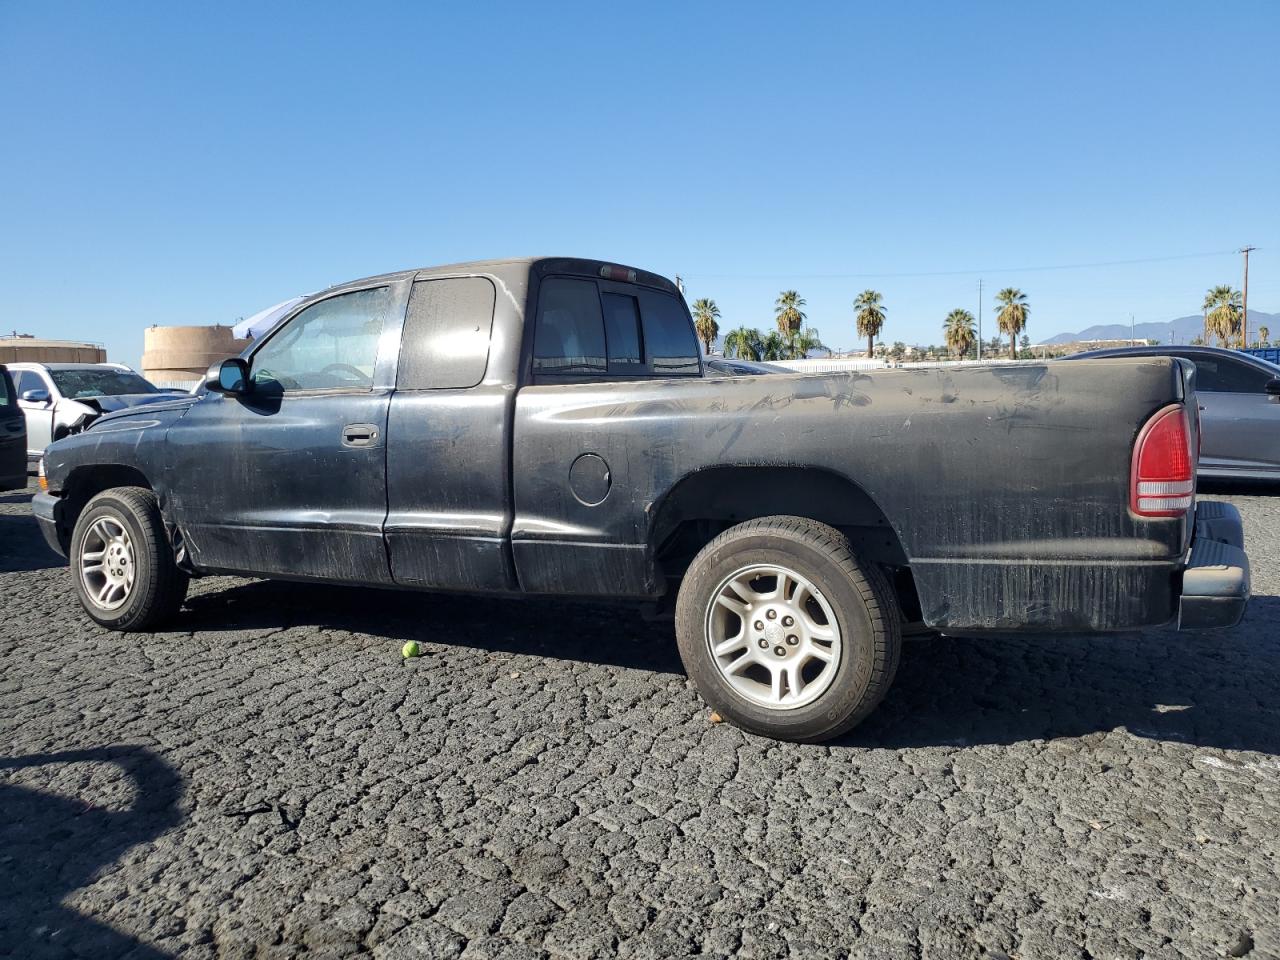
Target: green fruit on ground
{"points": [[410, 649]]}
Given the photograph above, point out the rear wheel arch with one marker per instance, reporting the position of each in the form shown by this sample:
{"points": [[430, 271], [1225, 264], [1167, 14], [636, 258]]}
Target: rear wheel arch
{"points": [[704, 503]]}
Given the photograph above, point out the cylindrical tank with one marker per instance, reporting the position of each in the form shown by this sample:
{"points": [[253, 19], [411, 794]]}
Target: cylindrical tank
{"points": [[26, 349], [179, 356]]}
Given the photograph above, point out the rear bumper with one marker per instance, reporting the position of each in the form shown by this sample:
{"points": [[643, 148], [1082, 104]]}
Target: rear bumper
{"points": [[47, 510], [1215, 584]]}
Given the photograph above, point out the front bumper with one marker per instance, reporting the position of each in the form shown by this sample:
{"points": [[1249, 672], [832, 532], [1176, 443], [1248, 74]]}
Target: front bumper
{"points": [[1215, 584], [47, 510]]}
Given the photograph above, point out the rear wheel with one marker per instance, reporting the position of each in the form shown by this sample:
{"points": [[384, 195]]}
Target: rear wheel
{"points": [[122, 564], [784, 632]]}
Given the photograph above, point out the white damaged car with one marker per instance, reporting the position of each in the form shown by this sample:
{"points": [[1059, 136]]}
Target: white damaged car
{"points": [[59, 399]]}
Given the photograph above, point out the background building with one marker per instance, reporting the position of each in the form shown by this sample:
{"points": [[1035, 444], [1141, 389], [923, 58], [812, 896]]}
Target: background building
{"points": [[178, 357], [24, 348]]}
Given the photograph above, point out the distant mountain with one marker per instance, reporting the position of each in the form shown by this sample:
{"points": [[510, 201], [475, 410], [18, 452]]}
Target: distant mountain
{"points": [[1181, 330]]}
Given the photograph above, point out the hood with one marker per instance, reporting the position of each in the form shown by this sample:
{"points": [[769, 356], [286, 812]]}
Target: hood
{"points": [[149, 403]]}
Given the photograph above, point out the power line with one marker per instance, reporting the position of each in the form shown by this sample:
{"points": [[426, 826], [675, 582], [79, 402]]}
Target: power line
{"points": [[959, 273]]}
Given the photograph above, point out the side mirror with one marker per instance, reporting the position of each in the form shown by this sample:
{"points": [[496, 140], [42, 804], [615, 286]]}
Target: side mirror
{"points": [[1273, 388], [35, 396], [228, 376]]}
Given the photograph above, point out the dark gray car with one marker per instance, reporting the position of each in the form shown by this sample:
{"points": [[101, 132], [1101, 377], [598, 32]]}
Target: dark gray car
{"points": [[13, 436], [1239, 408]]}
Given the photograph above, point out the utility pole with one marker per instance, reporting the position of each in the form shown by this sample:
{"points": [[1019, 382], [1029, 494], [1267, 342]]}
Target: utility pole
{"points": [[1244, 324], [979, 318], [1132, 342]]}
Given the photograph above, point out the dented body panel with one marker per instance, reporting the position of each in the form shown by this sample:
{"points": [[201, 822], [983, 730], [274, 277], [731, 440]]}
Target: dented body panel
{"points": [[1007, 487], [1003, 490]]}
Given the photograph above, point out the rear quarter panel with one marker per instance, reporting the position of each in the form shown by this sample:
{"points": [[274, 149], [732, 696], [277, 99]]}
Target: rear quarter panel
{"points": [[1007, 486]]}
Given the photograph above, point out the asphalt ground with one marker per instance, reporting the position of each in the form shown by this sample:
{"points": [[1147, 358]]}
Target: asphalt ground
{"points": [[269, 778]]}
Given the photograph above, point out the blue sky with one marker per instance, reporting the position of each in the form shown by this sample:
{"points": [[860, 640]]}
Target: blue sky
{"points": [[182, 163]]}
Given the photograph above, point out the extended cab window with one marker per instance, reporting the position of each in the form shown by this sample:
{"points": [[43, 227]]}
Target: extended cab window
{"points": [[6, 389], [584, 330], [330, 345], [446, 334]]}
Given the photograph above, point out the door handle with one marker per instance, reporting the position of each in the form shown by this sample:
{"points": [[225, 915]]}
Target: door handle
{"points": [[359, 435]]}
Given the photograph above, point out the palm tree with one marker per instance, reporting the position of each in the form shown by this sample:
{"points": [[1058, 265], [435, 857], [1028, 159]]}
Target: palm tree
{"points": [[744, 343], [705, 315], [774, 346], [870, 317], [804, 341], [960, 331], [1223, 319], [1264, 336], [787, 308], [1012, 318]]}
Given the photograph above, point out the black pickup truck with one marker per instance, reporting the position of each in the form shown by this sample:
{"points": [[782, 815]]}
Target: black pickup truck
{"points": [[546, 426]]}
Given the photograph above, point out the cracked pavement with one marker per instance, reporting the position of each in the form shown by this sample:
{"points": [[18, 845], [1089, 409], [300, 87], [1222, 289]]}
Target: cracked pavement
{"points": [[269, 779]]}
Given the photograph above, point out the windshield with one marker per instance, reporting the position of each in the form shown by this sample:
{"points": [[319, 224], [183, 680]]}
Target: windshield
{"points": [[76, 384]]}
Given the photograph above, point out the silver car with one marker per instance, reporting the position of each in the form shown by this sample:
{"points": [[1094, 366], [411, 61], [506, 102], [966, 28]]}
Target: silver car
{"points": [[1239, 408], [60, 398]]}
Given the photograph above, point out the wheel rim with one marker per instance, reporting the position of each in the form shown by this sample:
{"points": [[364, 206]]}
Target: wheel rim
{"points": [[107, 565], [773, 636]]}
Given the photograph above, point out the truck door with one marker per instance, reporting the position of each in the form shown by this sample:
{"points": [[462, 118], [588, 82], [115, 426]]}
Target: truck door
{"points": [[289, 479], [448, 461]]}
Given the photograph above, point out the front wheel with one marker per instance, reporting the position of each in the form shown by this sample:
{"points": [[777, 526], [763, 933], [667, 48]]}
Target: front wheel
{"points": [[122, 563], [784, 632]]}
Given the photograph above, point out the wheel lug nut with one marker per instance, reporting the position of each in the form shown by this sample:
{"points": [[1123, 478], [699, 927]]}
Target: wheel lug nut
{"points": [[780, 651], [763, 643], [788, 621], [759, 625], [772, 614], [792, 640]]}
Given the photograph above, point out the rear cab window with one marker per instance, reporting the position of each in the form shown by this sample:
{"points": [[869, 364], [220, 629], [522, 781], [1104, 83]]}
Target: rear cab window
{"points": [[604, 329]]}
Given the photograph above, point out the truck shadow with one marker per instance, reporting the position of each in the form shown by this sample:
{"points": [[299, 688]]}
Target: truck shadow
{"points": [[53, 842], [22, 547], [606, 633], [1216, 689]]}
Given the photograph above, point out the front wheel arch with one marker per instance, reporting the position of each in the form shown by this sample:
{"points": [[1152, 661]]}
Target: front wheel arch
{"points": [[86, 482]]}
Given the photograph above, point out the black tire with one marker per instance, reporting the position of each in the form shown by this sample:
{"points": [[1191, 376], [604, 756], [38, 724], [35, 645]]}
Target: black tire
{"points": [[158, 586], [859, 596]]}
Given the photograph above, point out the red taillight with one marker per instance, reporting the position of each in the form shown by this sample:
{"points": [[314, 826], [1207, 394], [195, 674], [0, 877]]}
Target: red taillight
{"points": [[1163, 481]]}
